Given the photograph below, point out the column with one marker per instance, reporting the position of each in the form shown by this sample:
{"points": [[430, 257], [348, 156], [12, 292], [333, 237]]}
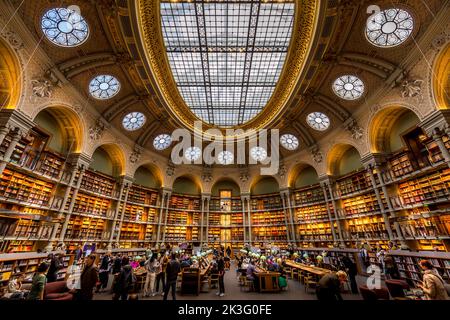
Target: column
{"points": [[3, 133], [17, 135], [333, 231], [202, 222], [247, 216], [437, 137], [369, 169], [389, 203], [164, 204], [288, 229], [206, 198], [82, 170], [69, 187], [166, 209], [244, 221], [291, 214], [125, 184], [333, 201]]}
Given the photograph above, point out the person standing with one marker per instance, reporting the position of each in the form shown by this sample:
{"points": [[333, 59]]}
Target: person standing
{"points": [[352, 273], [161, 277], [88, 279], [221, 270], [433, 286], [78, 255], [55, 265], [329, 286], [172, 270], [104, 272], [38, 284], [117, 264], [153, 268], [125, 281]]}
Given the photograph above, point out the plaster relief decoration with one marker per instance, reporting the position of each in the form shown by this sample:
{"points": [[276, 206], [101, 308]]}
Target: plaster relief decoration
{"points": [[136, 154], [10, 36], [96, 131], [282, 171], [42, 88], [316, 154], [244, 174], [207, 174], [412, 89], [170, 170], [441, 39], [355, 130]]}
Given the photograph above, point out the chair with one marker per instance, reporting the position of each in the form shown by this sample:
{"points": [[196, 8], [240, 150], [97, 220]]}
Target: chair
{"points": [[396, 288], [294, 273], [382, 293], [242, 280], [367, 294], [249, 284], [57, 291], [213, 279], [140, 282], [310, 282], [301, 276], [288, 270]]}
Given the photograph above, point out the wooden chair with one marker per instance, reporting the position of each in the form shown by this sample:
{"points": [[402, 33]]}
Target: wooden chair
{"points": [[310, 282], [242, 280], [294, 273], [249, 284], [213, 279], [301, 276], [288, 270]]}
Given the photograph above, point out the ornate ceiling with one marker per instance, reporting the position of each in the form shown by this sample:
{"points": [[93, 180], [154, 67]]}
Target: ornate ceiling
{"points": [[328, 41]]}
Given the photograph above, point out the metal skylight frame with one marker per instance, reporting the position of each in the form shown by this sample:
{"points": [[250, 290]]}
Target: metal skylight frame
{"points": [[226, 57]]}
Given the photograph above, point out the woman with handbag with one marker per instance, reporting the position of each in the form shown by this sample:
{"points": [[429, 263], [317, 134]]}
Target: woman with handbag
{"points": [[433, 286]]}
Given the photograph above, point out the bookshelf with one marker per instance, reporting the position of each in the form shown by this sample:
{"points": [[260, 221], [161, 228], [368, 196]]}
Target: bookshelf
{"points": [[91, 205], [183, 219], [142, 195], [354, 182], [98, 183], [368, 228], [307, 196], [408, 264], [85, 228], [362, 205]]}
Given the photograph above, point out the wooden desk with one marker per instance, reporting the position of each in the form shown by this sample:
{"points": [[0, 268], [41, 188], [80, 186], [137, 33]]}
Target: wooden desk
{"points": [[267, 280], [320, 272]]}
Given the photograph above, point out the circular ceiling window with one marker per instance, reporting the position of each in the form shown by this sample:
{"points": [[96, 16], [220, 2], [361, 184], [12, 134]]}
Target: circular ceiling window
{"points": [[134, 121], [348, 87], [64, 27], [225, 157], [193, 153], [318, 121], [162, 142], [104, 87], [389, 28], [258, 154], [289, 142]]}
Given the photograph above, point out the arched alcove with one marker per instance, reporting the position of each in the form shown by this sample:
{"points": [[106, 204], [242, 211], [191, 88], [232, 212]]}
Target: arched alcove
{"points": [[387, 127], [10, 75], [64, 127], [108, 159], [441, 83], [343, 159], [186, 185], [147, 176], [265, 185], [303, 175], [226, 184]]}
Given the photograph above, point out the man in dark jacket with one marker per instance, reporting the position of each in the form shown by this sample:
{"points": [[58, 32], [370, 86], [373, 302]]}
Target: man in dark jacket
{"points": [[173, 268], [125, 281], [352, 272], [104, 272], [55, 265], [88, 280], [221, 269], [329, 287]]}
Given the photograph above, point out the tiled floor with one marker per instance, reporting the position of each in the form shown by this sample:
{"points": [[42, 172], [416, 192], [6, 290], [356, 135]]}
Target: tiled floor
{"points": [[295, 291]]}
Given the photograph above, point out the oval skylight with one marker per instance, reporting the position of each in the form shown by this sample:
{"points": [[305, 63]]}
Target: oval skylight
{"points": [[258, 154], [226, 57], [389, 28], [225, 157], [104, 87], [348, 87], [162, 142], [193, 153], [289, 142], [318, 121], [64, 27], [133, 121]]}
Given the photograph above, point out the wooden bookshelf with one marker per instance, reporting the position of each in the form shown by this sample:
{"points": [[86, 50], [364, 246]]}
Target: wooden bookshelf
{"points": [[87, 204], [367, 228], [142, 195], [307, 195], [362, 205], [132, 231], [401, 164], [98, 183], [307, 214], [354, 182], [315, 232], [85, 228], [25, 189]]}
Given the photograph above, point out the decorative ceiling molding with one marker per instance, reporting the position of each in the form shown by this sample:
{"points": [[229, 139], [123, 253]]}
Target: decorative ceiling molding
{"points": [[120, 106], [75, 66], [305, 26], [332, 107], [304, 134], [143, 139]]}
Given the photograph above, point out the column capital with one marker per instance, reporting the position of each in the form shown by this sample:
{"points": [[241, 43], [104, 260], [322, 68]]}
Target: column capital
{"points": [[435, 122], [16, 119], [245, 196], [126, 180], [166, 191], [325, 179], [206, 196], [286, 191], [79, 160]]}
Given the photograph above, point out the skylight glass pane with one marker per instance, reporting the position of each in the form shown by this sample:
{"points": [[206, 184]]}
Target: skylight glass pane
{"points": [[226, 57]]}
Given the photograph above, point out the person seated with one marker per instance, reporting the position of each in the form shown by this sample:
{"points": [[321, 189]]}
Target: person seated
{"points": [[15, 291]]}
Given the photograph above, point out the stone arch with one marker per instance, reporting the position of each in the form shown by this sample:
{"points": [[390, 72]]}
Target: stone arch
{"points": [[441, 79], [296, 170], [117, 155], [334, 157], [11, 77]]}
